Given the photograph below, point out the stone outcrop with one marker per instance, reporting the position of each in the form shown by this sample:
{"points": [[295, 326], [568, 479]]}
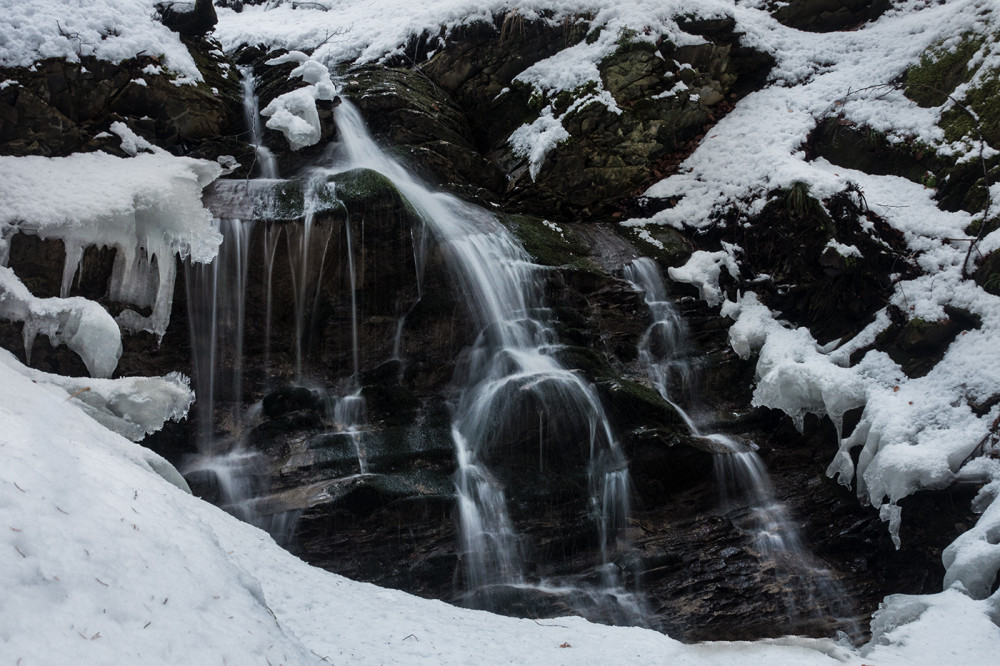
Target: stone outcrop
{"points": [[62, 107], [828, 15]]}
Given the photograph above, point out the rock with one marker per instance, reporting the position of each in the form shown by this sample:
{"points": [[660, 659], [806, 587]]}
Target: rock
{"points": [[816, 279], [188, 18], [828, 15], [62, 107]]}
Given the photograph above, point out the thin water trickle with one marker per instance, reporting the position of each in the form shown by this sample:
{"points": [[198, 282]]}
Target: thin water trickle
{"points": [[266, 162], [740, 473]]}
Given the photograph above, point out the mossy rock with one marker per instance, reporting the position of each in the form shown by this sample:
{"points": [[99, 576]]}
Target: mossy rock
{"points": [[362, 185], [547, 243], [868, 150], [940, 71], [987, 275], [983, 99], [632, 405], [918, 344]]}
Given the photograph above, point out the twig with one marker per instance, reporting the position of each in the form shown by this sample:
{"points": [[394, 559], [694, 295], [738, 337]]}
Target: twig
{"points": [[83, 390]]}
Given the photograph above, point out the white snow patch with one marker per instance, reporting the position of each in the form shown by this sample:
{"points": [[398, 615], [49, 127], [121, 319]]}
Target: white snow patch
{"points": [[111, 30], [535, 140], [294, 113], [703, 270]]}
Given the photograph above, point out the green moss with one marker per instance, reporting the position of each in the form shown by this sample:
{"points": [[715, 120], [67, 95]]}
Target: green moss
{"points": [[547, 246], [984, 100], [673, 249], [592, 363], [940, 71], [358, 187]]}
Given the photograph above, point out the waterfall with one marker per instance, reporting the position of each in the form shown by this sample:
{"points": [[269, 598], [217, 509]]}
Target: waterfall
{"points": [[267, 164], [741, 474], [509, 372], [216, 296]]}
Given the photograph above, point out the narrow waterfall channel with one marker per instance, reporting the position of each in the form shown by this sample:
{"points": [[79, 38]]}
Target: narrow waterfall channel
{"points": [[746, 493]]}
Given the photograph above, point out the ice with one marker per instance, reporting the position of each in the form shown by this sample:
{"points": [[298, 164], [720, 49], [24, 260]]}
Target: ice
{"points": [[130, 406], [147, 207], [793, 374], [80, 324], [703, 270], [973, 559], [294, 113]]}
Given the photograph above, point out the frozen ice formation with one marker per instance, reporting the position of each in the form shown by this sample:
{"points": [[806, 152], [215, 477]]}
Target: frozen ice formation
{"points": [[147, 207]]}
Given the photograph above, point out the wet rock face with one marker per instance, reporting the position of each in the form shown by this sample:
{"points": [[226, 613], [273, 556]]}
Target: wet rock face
{"points": [[65, 107], [397, 525], [464, 100]]}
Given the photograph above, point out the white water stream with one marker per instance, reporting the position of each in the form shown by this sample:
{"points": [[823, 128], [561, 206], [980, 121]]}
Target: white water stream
{"points": [[745, 487], [510, 365]]}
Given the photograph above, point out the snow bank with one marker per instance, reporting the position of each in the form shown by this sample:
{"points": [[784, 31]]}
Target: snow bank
{"points": [[108, 563], [112, 30], [147, 207], [931, 629]]}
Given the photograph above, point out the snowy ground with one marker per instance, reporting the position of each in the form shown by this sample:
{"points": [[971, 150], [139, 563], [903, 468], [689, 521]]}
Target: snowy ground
{"points": [[104, 560]]}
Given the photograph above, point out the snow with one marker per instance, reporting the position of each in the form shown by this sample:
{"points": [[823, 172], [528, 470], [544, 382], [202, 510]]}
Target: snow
{"points": [[108, 562], [80, 324], [294, 113], [535, 140], [111, 30], [703, 270], [148, 207]]}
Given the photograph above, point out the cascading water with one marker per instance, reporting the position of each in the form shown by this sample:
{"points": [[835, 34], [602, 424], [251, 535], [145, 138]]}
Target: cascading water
{"points": [[216, 296], [746, 491], [509, 372], [266, 163]]}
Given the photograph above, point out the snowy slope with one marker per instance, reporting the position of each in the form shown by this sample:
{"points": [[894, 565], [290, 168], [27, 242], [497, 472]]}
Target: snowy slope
{"points": [[106, 562], [110, 30]]}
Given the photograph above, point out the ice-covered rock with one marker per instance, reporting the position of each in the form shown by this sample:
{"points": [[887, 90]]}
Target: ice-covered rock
{"points": [[147, 207], [130, 406], [294, 113], [80, 324]]}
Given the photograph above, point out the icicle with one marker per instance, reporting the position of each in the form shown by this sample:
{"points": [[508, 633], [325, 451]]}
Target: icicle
{"points": [[74, 255]]}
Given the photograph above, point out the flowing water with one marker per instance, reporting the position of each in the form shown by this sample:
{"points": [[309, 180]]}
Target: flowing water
{"points": [[508, 371], [745, 488], [508, 376], [267, 165]]}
